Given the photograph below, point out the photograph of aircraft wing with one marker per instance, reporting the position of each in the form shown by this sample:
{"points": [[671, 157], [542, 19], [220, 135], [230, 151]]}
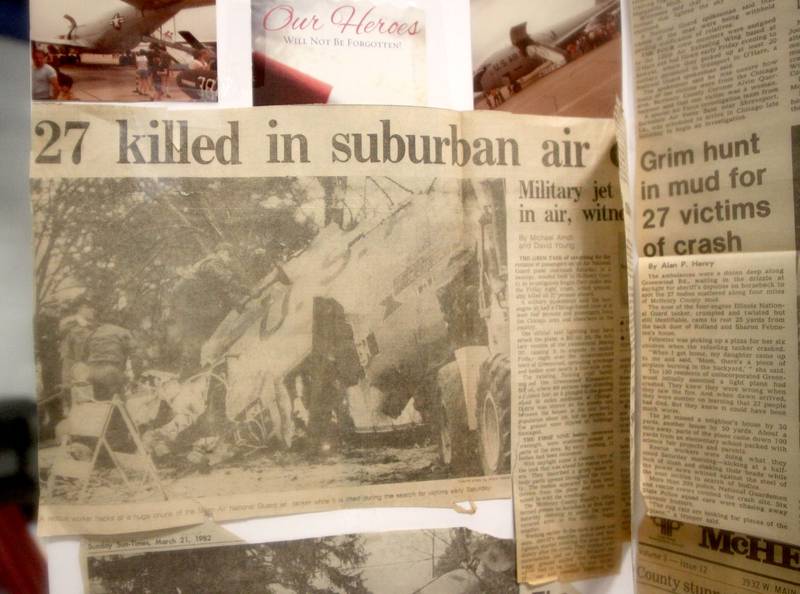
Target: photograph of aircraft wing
{"points": [[536, 47], [125, 50], [199, 81], [117, 26]]}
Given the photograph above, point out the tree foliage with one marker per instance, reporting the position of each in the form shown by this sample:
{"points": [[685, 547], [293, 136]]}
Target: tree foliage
{"points": [[313, 566], [124, 239], [125, 244]]}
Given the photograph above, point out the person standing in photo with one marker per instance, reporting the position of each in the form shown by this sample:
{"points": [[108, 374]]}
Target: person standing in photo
{"points": [[143, 86], [166, 71], [44, 78], [154, 69], [64, 80], [74, 330], [110, 349], [200, 61]]}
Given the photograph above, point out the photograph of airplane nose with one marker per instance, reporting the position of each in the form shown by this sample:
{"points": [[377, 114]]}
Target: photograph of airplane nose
{"points": [[585, 87]]}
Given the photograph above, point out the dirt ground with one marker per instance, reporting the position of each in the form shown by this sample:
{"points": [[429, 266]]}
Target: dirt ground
{"points": [[352, 465]]}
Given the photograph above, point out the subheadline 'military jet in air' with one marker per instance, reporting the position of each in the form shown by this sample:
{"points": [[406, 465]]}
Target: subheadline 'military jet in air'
{"points": [[528, 53]]}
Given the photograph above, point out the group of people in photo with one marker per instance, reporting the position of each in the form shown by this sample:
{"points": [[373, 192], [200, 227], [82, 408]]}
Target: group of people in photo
{"points": [[154, 67]]}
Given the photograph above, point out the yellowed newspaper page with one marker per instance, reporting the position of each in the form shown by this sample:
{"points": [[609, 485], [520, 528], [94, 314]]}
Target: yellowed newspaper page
{"points": [[430, 561], [627, 414], [716, 213], [686, 558], [569, 352], [268, 311], [258, 312]]}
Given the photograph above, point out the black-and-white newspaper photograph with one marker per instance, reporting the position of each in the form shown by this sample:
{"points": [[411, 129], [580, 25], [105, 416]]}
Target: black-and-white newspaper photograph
{"points": [[306, 333], [124, 50], [263, 312], [440, 561]]}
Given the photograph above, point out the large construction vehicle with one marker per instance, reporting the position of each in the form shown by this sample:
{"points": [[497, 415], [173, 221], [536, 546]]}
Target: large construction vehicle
{"points": [[393, 318]]}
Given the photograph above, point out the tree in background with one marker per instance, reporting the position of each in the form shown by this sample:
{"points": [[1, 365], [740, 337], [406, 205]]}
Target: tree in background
{"points": [[125, 244], [312, 566], [126, 237]]}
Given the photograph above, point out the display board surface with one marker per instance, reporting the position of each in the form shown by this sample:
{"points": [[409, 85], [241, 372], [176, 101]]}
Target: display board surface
{"points": [[450, 88]]}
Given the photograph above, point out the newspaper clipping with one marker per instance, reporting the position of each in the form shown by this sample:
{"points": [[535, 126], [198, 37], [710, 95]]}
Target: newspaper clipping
{"points": [[686, 558], [407, 562], [261, 312], [628, 414], [716, 201], [570, 354]]}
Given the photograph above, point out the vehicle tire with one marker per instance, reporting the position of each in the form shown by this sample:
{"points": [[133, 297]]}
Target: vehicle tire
{"points": [[454, 434], [494, 416]]}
